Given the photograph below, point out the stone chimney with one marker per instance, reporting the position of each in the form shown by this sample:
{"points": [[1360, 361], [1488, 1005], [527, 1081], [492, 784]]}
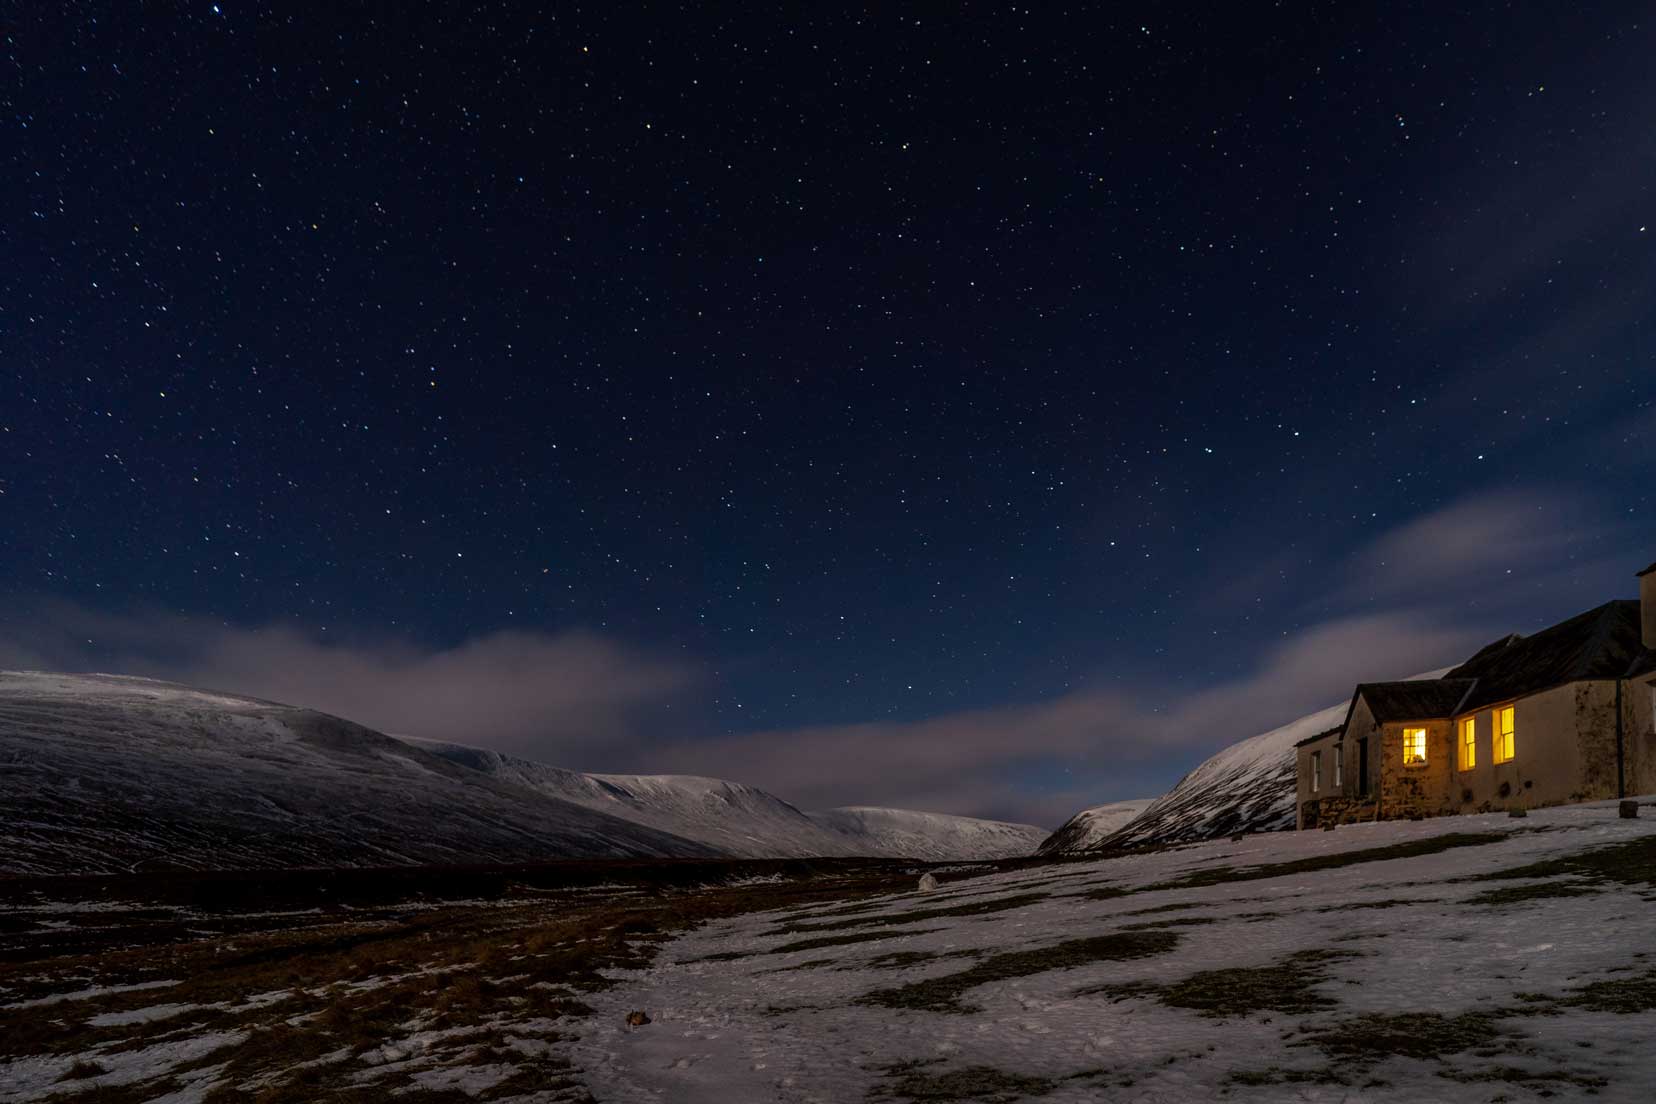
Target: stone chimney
{"points": [[1647, 605]]}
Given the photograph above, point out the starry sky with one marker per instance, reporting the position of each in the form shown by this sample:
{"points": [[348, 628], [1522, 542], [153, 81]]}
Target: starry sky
{"points": [[992, 411]]}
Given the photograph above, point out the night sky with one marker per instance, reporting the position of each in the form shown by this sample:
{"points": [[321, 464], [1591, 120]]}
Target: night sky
{"points": [[993, 412]]}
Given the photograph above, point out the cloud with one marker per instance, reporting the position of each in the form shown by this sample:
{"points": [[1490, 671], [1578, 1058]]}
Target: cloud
{"points": [[1422, 595], [568, 696], [1515, 553], [1003, 761], [1477, 541], [579, 700]]}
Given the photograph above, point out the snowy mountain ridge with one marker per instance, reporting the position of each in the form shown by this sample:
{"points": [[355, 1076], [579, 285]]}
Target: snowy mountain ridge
{"points": [[748, 822], [933, 836], [110, 773], [105, 773]]}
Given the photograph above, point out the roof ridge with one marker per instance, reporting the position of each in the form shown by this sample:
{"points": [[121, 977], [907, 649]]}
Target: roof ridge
{"points": [[1472, 685]]}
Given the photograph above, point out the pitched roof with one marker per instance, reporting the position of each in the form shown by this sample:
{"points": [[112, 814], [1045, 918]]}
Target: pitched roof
{"points": [[1419, 700], [1323, 735], [1646, 571], [1603, 643]]}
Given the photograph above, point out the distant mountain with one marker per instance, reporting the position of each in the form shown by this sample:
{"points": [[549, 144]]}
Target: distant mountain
{"points": [[744, 821], [103, 773], [1088, 828], [934, 836], [107, 773], [1248, 787]]}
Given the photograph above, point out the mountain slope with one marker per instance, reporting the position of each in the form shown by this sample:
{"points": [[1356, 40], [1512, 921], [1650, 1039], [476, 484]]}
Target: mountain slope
{"points": [[744, 821], [1247, 787], [1090, 827], [738, 820], [105, 773], [934, 836]]}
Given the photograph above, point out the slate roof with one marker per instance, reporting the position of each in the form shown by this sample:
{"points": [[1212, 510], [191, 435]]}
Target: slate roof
{"points": [[1603, 643], [1420, 700], [1325, 734]]}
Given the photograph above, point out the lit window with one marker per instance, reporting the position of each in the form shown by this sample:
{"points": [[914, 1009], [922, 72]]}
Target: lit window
{"points": [[1339, 765], [1414, 747], [1316, 771], [1504, 747], [1469, 743]]}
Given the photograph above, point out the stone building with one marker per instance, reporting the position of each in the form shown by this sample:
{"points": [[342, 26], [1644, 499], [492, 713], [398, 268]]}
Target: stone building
{"points": [[1568, 714]]}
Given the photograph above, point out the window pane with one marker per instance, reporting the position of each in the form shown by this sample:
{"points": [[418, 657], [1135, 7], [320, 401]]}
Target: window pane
{"points": [[1414, 746], [1505, 742]]}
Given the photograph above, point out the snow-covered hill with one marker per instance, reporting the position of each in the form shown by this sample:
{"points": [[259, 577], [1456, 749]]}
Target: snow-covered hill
{"points": [[934, 836], [747, 822], [106, 773], [1088, 828], [1248, 787]]}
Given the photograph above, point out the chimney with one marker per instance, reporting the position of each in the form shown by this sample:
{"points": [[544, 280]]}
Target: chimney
{"points": [[1647, 605]]}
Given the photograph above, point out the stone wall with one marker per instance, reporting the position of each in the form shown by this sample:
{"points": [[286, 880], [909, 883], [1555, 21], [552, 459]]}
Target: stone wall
{"points": [[1416, 791], [1639, 735], [1321, 812]]}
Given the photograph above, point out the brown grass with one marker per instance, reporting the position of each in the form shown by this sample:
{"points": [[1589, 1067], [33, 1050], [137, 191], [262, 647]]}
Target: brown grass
{"points": [[354, 980]]}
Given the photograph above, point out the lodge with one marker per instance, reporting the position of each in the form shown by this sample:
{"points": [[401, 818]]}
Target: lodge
{"points": [[1567, 714]]}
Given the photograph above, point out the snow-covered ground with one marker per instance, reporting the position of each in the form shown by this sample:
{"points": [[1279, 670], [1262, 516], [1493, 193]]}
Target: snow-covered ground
{"points": [[1290, 966], [1091, 827]]}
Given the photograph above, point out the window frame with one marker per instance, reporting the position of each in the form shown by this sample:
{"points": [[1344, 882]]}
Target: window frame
{"points": [[1420, 744], [1339, 766], [1316, 771], [1468, 745], [1503, 741]]}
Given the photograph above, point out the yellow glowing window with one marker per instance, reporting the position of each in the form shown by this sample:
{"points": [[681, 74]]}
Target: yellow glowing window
{"points": [[1414, 747], [1504, 747], [1469, 743]]}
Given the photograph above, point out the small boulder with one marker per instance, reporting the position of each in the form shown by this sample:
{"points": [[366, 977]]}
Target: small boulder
{"points": [[636, 1019], [1517, 813], [928, 882], [1629, 810]]}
